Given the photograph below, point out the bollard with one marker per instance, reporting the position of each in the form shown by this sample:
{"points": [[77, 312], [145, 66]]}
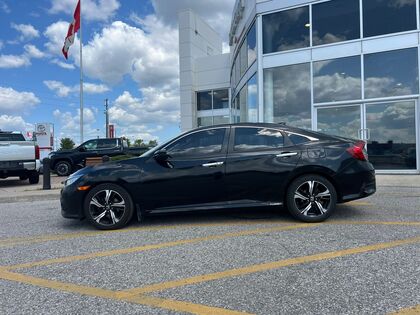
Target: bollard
{"points": [[46, 185], [105, 159]]}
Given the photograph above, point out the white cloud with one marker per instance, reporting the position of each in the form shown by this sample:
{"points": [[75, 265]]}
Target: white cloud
{"points": [[4, 7], [70, 123], [93, 10], [62, 64], [56, 34], [64, 90], [12, 101], [217, 13], [15, 123], [13, 61], [27, 31], [1, 45], [33, 52]]}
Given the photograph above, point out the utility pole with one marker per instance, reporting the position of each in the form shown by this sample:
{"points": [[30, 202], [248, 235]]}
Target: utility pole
{"points": [[106, 119]]}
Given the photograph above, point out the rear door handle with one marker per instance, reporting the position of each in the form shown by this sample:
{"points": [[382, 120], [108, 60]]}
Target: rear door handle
{"points": [[287, 154], [212, 164]]}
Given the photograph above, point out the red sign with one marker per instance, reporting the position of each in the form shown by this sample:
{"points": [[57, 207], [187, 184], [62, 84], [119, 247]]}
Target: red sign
{"points": [[111, 131]]}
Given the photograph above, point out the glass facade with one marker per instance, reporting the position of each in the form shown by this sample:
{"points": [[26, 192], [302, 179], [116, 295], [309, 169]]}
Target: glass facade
{"points": [[287, 95], [335, 21]]}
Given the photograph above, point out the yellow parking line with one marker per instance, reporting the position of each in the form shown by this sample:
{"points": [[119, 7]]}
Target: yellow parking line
{"points": [[407, 223], [58, 237], [414, 310], [109, 294], [264, 267], [130, 250], [358, 203]]}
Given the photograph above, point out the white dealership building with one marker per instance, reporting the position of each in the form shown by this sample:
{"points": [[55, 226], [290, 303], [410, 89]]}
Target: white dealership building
{"points": [[344, 67]]}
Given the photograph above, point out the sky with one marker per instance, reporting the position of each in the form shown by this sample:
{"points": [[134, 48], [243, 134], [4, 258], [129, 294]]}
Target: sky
{"points": [[130, 57]]}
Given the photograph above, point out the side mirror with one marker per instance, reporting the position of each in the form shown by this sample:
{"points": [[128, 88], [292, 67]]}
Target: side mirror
{"points": [[82, 149], [161, 156]]}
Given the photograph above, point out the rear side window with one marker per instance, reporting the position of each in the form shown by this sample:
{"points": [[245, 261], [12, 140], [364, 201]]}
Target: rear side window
{"points": [[298, 139], [255, 139], [11, 137], [198, 143]]}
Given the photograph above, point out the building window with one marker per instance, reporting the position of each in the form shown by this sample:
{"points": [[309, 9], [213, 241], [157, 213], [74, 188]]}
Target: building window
{"points": [[218, 120], [204, 121], [286, 30], [339, 121], [391, 73], [388, 16], [220, 99], [244, 57], [252, 108], [337, 80], [335, 21], [217, 99], [252, 45], [204, 100], [287, 95]]}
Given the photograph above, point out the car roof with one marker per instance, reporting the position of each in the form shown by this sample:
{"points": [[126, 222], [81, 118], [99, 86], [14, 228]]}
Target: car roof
{"points": [[281, 126]]}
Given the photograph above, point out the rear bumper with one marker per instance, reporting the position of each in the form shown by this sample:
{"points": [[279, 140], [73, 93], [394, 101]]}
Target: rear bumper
{"points": [[363, 184], [72, 202]]}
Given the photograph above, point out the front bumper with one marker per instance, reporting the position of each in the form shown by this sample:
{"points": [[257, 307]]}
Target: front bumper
{"points": [[72, 202]]}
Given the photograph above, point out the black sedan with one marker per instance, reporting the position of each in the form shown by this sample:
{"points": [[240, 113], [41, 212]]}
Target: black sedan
{"points": [[225, 166]]}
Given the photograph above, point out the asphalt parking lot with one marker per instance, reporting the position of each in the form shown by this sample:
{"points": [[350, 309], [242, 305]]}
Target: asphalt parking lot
{"points": [[364, 260]]}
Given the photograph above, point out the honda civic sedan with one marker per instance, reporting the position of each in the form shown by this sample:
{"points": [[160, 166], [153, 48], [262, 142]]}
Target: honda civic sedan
{"points": [[225, 166]]}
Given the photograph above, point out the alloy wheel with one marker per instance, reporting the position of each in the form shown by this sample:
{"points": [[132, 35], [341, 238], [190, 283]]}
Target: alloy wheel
{"points": [[312, 198], [107, 207]]}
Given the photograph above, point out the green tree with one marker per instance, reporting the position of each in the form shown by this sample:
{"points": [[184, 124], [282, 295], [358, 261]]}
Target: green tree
{"points": [[152, 143], [139, 143], [66, 144]]}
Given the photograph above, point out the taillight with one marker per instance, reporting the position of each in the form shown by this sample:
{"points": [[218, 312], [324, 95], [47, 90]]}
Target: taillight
{"points": [[357, 152], [36, 152]]}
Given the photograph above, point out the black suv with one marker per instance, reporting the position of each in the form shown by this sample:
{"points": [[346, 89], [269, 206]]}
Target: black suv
{"points": [[67, 161]]}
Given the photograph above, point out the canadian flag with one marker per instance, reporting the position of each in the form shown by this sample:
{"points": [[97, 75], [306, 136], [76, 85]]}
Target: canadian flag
{"points": [[73, 28]]}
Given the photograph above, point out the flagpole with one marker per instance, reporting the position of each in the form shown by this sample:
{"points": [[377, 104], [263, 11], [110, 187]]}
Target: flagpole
{"points": [[81, 77]]}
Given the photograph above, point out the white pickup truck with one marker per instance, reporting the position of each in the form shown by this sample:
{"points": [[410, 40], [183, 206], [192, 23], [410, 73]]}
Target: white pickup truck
{"points": [[18, 157]]}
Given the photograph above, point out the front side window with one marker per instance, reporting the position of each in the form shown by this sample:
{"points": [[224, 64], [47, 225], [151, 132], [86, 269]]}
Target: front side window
{"points": [[335, 21], [391, 73], [337, 80], [91, 145], [255, 139], [286, 30], [287, 95], [107, 143], [198, 143], [388, 16]]}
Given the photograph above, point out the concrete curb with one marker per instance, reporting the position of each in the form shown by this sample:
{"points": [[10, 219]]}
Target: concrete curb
{"points": [[53, 194]]}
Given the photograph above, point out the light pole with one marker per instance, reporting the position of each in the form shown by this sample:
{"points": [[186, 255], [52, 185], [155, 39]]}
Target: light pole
{"points": [[106, 119]]}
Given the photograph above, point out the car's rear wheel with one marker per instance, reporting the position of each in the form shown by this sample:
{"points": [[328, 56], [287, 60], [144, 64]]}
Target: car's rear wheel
{"points": [[63, 168], [33, 177], [108, 206], [311, 198]]}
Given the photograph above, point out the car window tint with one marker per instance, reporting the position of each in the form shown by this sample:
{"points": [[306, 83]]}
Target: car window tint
{"points": [[107, 143], [199, 143], [91, 145], [11, 137], [249, 139], [298, 139]]}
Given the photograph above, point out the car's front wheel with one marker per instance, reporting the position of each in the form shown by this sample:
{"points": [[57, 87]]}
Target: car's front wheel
{"points": [[63, 168], [108, 206], [311, 198]]}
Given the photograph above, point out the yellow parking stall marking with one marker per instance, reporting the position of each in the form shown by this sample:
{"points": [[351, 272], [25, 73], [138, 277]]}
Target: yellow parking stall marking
{"points": [[109, 294], [265, 267], [414, 310], [58, 237], [137, 249], [358, 203], [406, 223]]}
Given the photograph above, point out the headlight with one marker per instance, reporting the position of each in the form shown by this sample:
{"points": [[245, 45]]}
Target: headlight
{"points": [[71, 180]]}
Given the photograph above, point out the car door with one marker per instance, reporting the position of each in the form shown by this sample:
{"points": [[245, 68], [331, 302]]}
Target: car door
{"points": [[108, 147], [193, 173], [259, 161], [86, 150]]}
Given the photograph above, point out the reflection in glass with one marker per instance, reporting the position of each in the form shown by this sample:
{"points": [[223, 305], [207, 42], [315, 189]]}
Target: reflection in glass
{"points": [[220, 99], [242, 103], [252, 114], [339, 121], [218, 120], [391, 73], [244, 58], [204, 100], [335, 21], [286, 30], [287, 95], [204, 121], [392, 130], [251, 139], [388, 16], [252, 45], [337, 80]]}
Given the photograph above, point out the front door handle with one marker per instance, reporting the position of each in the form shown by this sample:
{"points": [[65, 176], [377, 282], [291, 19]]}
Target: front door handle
{"points": [[287, 154], [212, 164]]}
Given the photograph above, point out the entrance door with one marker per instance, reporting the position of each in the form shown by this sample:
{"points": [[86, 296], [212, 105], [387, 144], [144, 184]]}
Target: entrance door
{"points": [[343, 121], [390, 131]]}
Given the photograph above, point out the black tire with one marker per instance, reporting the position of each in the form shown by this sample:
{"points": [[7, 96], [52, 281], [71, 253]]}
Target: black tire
{"points": [[106, 215], [311, 206], [63, 168], [33, 178]]}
